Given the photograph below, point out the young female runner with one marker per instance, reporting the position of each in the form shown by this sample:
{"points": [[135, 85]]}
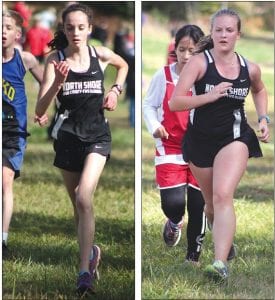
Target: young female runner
{"points": [[74, 74], [219, 140]]}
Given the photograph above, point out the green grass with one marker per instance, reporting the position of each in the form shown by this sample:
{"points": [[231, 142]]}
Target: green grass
{"points": [[164, 274], [44, 253]]}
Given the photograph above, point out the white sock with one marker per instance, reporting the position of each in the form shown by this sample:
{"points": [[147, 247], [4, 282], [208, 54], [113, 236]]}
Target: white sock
{"points": [[5, 237], [176, 226], [91, 254]]}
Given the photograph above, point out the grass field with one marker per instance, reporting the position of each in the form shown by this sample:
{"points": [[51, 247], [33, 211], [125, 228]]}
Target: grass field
{"points": [[164, 273], [44, 253]]}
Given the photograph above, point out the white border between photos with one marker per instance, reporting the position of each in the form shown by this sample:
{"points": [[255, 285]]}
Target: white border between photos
{"points": [[138, 194]]}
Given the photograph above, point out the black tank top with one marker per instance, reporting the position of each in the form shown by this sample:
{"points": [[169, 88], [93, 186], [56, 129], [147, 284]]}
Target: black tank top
{"points": [[224, 118], [82, 97]]}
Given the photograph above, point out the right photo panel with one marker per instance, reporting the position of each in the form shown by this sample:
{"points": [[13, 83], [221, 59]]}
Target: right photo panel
{"points": [[207, 150]]}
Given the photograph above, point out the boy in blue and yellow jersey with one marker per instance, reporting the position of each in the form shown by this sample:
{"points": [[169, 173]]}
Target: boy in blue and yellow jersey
{"points": [[15, 64]]}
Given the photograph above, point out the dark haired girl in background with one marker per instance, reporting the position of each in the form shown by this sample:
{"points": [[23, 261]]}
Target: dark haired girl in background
{"points": [[173, 176]]}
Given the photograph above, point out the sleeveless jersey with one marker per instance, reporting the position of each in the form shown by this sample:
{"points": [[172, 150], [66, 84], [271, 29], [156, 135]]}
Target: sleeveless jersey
{"points": [[224, 117], [169, 150], [81, 98], [14, 100], [215, 125]]}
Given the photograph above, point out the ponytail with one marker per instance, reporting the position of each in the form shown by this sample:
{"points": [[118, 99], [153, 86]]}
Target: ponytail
{"points": [[59, 41], [205, 43]]}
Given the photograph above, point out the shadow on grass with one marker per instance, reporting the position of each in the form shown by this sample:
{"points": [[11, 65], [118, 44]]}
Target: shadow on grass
{"points": [[51, 231], [252, 271], [254, 193], [38, 224], [48, 243], [261, 169], [63, 286], [56, 290]]}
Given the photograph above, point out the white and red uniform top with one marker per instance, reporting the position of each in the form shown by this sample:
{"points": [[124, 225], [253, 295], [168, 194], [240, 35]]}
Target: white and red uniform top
{"points": [[156, 113]]}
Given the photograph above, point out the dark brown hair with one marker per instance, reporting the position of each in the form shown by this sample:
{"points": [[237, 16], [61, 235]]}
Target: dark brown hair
{"points": [[192, 31], [60, 40]]}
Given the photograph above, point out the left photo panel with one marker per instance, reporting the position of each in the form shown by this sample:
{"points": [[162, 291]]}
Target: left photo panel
{"points": [[68, 150]]}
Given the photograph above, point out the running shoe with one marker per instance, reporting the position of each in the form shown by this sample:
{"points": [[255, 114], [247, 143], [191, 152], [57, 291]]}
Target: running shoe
{"points": [[94, 263], [84, 283], [171, 234], [218, 271]]}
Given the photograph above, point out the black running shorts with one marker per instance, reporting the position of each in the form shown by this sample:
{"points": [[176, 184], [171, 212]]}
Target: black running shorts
{"points": [[202, 150], [71, 152]]}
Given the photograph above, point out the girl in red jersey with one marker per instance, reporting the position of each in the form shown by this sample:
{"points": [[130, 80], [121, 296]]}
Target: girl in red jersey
{"points": [[173, 176]]}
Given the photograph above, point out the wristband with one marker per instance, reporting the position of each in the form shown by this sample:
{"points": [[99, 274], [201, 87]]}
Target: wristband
{"points": [[264, 117], [118, 87], [114, 92]]}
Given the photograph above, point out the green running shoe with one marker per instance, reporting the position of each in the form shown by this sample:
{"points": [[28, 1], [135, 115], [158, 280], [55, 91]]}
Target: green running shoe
{"points": [[218, 271]]}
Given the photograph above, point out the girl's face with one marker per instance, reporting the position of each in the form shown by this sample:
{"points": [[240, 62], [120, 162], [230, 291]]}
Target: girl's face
{"points": [[10, 32], [77, 28], [225, 32], [184, 50]]}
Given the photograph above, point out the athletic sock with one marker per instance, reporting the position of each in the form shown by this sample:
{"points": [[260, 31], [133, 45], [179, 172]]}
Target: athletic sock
{"points": [[175, 226], [92, 254]]}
